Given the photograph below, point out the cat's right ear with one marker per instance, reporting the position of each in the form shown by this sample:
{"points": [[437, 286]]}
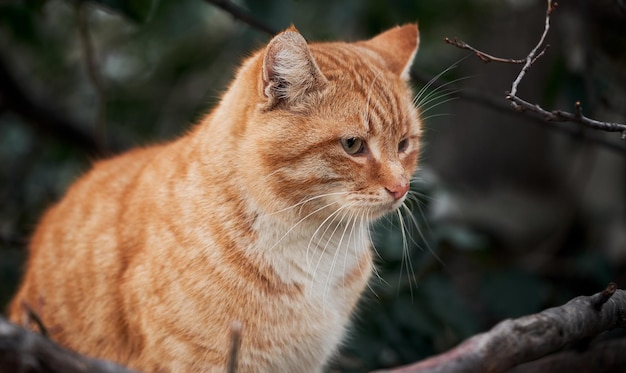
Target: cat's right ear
{"points": [[290, 74]]}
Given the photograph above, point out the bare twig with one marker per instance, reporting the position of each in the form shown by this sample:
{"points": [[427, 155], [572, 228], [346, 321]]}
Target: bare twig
{"points": [[242, 15], [486, 58], [513, 342], [598, 300], [93, 72], [235, 335], [496, 103], [563, 116], [32, 317], [523, 106], [534, 53]]}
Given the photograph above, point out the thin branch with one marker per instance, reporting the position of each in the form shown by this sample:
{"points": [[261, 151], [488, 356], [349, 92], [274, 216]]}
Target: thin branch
{"points": [[513, 342], [241, 14], [599, 300], [33, 318], [486, 58], [235, 336], [530, 59], [521, 105], [497, 104], [93, 71], [563, 116]]}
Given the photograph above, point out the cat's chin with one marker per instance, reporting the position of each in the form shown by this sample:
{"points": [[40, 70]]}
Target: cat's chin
{"points": [[378, 211]]}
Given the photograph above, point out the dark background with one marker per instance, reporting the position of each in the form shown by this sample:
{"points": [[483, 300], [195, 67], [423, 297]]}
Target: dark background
{"points": [[515, 214]]}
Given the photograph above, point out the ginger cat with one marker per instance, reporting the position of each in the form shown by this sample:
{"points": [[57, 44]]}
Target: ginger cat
{"points": [[259, 215]]}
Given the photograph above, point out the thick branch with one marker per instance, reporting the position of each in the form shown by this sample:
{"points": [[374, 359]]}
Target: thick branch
{"points": [[22, 351], [601, 357], [242, 15], [513, 342]]}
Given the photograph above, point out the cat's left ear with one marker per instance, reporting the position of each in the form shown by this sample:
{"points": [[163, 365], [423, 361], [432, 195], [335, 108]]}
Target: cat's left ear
{"points": [[397, 47], [290, 74]]}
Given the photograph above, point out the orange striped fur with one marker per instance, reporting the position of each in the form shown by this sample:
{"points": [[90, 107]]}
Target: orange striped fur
{"points": [[259, 215]]}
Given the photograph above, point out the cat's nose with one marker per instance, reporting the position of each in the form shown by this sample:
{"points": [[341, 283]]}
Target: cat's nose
{"points": [[399, 190]]}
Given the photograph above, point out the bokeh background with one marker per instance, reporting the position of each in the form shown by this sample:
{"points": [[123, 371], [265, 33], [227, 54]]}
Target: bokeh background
{"points": [[514, 214]]}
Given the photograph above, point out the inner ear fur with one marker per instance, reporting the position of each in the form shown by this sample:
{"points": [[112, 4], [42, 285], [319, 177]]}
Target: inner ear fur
{"points": [[290, 73]]}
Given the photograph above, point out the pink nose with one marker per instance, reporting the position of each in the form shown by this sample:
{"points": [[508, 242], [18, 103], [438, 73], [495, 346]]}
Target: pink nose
{"points": [[398, 191]]}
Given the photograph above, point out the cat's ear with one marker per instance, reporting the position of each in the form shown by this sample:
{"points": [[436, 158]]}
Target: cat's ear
{"points": [[397, 47], [290, 73]]}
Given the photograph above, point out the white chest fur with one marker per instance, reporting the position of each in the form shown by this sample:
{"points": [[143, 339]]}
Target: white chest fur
{"points": [[320, 258]]}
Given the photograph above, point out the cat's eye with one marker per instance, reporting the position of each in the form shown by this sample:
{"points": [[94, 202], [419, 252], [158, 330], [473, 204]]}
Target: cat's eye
{"points": [[403, 145], [353, 145]]}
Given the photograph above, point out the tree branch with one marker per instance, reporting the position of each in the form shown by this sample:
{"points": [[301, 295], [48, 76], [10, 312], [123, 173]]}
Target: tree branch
{"points": [[513, 342], [521, 105], [496, 103], [93, 71], [486, 58], [563, 116], [243, 15], [507, 345], [235, 338], [601, 357], [22, 351], [532, 56]]}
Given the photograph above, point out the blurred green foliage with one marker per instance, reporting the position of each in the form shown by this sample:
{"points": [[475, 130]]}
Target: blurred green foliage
{"points": [[165, 63]]}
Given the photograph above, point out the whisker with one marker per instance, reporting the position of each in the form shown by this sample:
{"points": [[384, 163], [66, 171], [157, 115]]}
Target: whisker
{"points": [[298, 223], [301, 203], [443, 89], [439, 103], [406, 255], [334, 261], [421, 233], [328, 240], [401, 222], [425, 88], [436, 97], [416, 194], [375, 272], [330, 216]]}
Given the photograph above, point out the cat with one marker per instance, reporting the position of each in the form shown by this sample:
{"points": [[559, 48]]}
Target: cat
{"points": [[259, 215]]}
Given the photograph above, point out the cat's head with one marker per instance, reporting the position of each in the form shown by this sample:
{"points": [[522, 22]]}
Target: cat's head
{"points": [[334, 128]]}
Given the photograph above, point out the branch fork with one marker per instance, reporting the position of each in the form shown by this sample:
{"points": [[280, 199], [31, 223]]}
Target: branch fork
{"points": [[521, 105]]}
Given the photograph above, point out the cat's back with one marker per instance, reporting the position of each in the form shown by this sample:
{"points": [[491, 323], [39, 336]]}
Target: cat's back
{"points": [[95, 196], [78, 249]]}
